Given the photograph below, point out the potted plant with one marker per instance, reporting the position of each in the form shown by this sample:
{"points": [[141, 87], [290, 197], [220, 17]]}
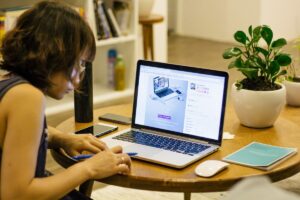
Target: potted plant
{"points": [[292, 83], [258, 98]]}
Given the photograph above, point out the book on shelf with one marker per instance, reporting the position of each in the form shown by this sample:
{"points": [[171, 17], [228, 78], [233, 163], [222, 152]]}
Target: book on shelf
{"points": [[99, 27], [112, 27], [104, 20], [122, 11], [261, 156], [8, 18], [114, 22], [101, 21]]}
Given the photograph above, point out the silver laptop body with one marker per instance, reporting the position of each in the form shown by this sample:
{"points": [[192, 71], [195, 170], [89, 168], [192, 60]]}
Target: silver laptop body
{"points": [[178, 131]]}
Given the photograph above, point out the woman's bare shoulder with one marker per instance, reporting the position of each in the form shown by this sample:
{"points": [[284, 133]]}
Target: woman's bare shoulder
{"points": [[25, 89], [23, 93]]}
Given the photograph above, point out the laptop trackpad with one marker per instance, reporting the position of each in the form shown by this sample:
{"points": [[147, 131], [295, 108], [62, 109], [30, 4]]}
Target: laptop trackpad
{"points": [[142, 151]]}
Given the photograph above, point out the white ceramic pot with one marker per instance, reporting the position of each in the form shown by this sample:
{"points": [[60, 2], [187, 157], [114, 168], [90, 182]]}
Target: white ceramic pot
{"points": [[145, 7], [292, 93], [258, 109]]}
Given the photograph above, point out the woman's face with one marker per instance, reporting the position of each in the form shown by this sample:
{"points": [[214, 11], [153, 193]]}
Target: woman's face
{"points": [[62, 84]]}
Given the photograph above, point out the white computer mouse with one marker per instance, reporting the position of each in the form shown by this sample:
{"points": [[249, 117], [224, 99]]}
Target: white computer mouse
{"points": [[209, 168]]}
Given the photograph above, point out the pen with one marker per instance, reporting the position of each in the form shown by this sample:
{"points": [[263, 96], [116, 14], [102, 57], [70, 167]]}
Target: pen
{"points": [[132, 153], [85, 156], [82, 156]]}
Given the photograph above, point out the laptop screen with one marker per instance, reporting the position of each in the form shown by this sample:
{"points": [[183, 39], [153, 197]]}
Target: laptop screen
{"points": [[187, 101]]}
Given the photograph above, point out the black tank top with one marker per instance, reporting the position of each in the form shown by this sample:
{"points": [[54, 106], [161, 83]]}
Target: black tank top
{"points": [[7, 84]]}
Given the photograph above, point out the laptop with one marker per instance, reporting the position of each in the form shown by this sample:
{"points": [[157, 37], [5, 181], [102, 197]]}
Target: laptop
{"points": [[183, 130], [161, 88]]}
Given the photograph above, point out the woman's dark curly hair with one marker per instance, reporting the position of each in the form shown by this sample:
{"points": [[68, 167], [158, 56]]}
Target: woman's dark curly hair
{"points": [[50, 37]]}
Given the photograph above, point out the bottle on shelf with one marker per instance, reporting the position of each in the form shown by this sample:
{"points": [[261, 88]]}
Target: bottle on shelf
{"points": [[120, 73], [111, 62]]}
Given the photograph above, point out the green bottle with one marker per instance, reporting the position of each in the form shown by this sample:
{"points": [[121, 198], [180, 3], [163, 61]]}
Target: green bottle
{"points": [[120, 73]]}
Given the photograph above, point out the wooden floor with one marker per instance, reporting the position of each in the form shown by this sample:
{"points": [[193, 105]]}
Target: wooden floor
{"points": [[185, 51]]}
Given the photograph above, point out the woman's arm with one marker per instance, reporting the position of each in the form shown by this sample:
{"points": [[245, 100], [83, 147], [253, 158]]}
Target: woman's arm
{"points": [[24, 109]]}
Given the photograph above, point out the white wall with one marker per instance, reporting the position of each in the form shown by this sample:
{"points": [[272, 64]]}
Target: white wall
{"points": [[160, 33], [219, 19], [283, 16], [172, 15]]}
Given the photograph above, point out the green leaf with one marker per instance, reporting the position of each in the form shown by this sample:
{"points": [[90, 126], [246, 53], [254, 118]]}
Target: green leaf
{"points": [[267, 34], [259, 62], [241, 37], [250, 30], [238, 63], [239, 85], [231, 52], [256, 34], [279, 43], [281, 73], [274, 68], [252, 63], [283, 59], [251, 73], [262, 50], [231, 64]]}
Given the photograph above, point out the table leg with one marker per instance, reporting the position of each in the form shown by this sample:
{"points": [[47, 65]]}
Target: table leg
{"points": [[145, 41], [86, 188], [187, 196], [151, 42], [148, 41]]}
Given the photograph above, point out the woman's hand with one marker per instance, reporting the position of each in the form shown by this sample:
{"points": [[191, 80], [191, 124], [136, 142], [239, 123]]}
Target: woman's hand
{"points": [[75, 144], [104, 163], [107, 163]]}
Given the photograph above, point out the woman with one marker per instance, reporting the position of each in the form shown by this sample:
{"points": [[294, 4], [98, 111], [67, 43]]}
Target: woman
{"points": [[44, 55]]}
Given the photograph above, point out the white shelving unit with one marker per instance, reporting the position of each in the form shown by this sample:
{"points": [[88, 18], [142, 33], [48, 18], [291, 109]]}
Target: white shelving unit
{"points": [[125, 45]]}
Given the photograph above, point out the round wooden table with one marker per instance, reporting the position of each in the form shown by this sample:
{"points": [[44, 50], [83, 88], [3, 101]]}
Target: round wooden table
{"points": [[147, 176]]}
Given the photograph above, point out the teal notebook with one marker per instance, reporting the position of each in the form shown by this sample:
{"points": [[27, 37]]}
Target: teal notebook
{"points": [[259, 155]]}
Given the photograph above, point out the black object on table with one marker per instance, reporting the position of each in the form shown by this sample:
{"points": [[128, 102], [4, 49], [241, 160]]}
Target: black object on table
{"points": [[83, 97]]}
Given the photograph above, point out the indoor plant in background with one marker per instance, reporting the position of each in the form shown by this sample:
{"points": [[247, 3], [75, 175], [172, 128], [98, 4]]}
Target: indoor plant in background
{"points": [[257, 98], [292, 81]]}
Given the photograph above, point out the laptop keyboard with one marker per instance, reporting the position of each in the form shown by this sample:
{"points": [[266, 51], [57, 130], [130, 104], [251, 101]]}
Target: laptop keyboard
{"points": [[165, 93], [171, 144]]}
